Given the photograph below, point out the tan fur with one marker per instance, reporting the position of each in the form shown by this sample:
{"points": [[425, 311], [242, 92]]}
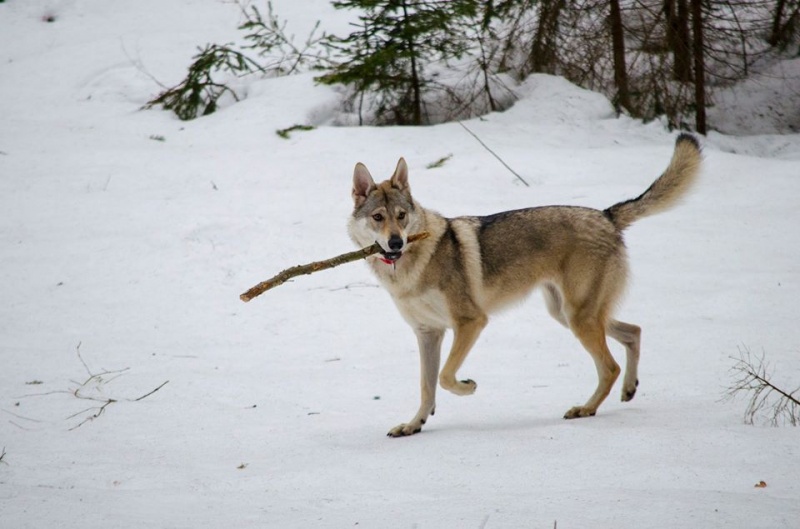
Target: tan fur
{"points": [[470, 267]]}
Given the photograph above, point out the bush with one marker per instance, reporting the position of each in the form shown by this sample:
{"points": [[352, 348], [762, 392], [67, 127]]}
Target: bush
{"points": [[207, 80]]}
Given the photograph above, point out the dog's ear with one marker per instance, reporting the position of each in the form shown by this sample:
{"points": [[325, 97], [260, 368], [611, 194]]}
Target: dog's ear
{"points": [[400, 177], [362, 183]]}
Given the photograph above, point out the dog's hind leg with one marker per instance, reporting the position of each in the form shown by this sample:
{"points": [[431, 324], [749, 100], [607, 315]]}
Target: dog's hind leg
{"points": [[591, 333], [430, 346], [465, 335], [630, 336], [554, 303]]}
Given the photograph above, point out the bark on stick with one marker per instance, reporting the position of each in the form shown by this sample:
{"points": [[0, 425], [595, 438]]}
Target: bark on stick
{"points": [[316, 266]]}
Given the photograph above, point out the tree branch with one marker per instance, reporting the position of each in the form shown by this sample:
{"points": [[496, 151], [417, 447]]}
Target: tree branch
{"points": [[754, 378], [495, 155], [151, 392], [316, 266]]}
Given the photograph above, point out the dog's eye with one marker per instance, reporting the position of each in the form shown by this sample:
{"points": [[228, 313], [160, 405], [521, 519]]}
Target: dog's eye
{"points": [[378, 217], [401, 215]]}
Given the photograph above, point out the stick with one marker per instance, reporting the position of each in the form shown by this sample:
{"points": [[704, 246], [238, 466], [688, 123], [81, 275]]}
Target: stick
{"points": [[151, 392], [495, 155], [316, 266]]}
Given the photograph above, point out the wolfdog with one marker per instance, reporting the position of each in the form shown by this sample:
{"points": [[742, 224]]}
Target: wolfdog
{"points": [[470, 267]]}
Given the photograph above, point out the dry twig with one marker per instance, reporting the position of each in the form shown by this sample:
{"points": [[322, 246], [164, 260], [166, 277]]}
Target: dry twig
{"points": [[82, 391], [495, 155], [151, 392], [316, 266], [753, 378]]}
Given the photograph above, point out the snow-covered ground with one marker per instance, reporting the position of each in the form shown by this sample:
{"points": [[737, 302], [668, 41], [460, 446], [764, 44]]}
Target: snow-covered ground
{"points": [[764, 103], [129, 253]]}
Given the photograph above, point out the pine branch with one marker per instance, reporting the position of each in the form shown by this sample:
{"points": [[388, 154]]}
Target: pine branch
{"points": [[316, 266]]}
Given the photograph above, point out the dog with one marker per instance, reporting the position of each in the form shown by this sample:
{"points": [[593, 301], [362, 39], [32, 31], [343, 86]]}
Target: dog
{"points": [[470, 267]]}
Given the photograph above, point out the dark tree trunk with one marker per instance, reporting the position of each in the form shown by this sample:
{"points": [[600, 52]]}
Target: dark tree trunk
{"points": [[416, 103], [671, 22], [542, 57], [677, 16], [775, 34], [699, 67], [620, 67]]}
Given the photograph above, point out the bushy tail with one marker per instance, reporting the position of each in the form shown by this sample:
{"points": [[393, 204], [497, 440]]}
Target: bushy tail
{"points": [[666, 190]]}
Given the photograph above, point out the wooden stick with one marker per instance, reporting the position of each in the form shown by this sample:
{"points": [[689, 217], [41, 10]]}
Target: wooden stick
{"points": [[316, 266]]}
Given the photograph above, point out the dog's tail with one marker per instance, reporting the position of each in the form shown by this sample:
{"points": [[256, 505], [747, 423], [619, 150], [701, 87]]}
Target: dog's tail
{"points": [[667, 190]]}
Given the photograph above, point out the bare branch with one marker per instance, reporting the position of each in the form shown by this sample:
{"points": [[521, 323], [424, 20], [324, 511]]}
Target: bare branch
{"points": [[18, 416], [151, 392], [317, 266], [495, 155], [91, 417], [752, 377], [78, 351], [83, 391]]}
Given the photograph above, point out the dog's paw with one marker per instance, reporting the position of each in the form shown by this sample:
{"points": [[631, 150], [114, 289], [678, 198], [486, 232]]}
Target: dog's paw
{"points": [[577, 412], [466, 387], [628, 392], [404, 430], [460, 387]]}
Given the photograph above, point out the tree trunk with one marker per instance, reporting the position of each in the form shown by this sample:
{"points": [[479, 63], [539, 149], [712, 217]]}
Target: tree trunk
{"points": [[671, 24], [775, 34], [620, 67], [699, 67], [542, 57], [677, 17], [416, 103]]}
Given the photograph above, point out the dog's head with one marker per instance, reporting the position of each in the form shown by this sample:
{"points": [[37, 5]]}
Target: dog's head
{"points": [[384, 213]]}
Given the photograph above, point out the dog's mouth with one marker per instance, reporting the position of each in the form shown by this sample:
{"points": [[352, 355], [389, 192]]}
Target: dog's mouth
{"points": [[391, 257]]}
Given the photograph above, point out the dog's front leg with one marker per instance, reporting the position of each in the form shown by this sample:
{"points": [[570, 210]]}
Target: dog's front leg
{"points": [[430, 346], [465, 334]]}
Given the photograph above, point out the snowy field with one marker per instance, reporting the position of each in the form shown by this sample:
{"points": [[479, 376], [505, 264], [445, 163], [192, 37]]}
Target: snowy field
{"points": [[123, 256]]}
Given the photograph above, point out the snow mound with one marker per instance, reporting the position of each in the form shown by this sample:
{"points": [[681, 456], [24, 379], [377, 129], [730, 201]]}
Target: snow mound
{"points": [[545, 97], [297, 99], [764, 103]]}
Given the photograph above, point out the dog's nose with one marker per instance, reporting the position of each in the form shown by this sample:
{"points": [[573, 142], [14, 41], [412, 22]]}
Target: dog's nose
{"points": [[395, 243]]}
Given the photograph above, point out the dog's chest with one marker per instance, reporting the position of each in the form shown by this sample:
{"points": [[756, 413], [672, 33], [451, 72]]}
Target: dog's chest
{"points": [[429, 308]]}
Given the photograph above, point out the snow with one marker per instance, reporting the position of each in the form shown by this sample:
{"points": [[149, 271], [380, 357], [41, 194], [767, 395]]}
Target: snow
{"points": [[762, 104], [129, 253]]}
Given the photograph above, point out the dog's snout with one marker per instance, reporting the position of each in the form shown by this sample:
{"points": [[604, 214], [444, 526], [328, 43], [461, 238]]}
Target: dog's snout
{"points": [[395, 243]]}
